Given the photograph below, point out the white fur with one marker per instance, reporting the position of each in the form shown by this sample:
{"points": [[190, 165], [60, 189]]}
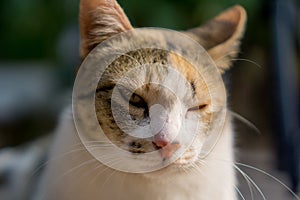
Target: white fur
{"points": [[67, 177]]}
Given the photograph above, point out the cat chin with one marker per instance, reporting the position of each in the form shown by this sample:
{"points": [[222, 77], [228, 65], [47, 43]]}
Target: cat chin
{"points": [[178, 168]]}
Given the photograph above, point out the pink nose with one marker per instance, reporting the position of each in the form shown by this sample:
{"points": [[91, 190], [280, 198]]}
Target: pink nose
{"points": [[161, 140], [165, 146]]}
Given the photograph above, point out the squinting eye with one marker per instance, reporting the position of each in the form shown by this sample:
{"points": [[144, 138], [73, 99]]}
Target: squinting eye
{"points": [[196, 108], [137, 101]]}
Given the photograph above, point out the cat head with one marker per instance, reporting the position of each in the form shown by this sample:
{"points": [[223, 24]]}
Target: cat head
{"points": [[151, 104]]}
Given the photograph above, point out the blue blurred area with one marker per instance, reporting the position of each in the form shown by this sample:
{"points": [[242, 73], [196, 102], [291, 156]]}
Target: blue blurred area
{"points": [[31, 97], [24, 89], [286, 78]]}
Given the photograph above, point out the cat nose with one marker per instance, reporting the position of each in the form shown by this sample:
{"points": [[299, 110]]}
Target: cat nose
{"points": [[166, 148], [160, 141]]}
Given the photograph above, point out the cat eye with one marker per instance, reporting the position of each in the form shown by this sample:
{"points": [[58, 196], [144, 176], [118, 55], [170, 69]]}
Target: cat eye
{"points": [[200, 107], [137, 101], [134, 100]]}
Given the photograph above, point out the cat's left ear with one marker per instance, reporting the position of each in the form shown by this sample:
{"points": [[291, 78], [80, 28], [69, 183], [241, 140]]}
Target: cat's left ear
{"points": [[221, 36], [99, 20]]}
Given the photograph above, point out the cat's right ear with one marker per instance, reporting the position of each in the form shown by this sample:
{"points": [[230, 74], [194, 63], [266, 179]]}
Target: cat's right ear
{"points": [[99, 20], [221, 36]]}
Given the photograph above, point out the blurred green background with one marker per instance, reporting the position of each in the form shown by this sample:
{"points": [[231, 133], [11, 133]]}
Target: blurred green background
{"points": [[40, 39], [31, 28]]}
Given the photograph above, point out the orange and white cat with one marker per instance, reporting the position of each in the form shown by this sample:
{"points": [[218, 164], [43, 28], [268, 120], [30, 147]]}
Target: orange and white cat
{"points": [[73, 173]]}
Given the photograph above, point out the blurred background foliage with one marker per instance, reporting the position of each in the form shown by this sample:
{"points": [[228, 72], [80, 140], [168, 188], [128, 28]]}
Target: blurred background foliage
{"points": [[31, 28], [39, 35]]}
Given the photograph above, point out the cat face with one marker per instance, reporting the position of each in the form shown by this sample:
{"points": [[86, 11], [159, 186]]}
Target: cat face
{"points": [[177, 118], [174, 115]]}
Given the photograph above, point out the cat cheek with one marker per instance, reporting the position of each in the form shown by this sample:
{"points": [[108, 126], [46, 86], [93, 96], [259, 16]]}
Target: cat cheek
{"points": [[191, 115]]}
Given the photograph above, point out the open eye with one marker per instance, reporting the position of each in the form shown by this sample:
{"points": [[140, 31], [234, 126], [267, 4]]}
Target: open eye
{"points": [[137, 101], [198, 108]]}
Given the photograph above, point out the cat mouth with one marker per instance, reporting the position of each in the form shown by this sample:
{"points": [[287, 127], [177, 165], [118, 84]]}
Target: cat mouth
{"points": [[137, 151], [165, 153], [168, 151]]}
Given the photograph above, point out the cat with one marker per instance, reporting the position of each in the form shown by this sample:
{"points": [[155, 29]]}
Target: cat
{"points": [[72, 172]]}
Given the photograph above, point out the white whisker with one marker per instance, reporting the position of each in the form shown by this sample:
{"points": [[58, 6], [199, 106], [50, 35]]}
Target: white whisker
{"points": [[197, 169], [68, 153], [244, 120], [106, 167], [239, 192], [247, 177], [269, 175], [247, 60], [258, 170]]}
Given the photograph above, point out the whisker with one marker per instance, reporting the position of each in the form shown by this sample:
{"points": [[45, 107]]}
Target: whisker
{"points": [[247, 60], [244, 120], [239, 192], [102, 171], [248, 183], [106, 167], [87, 173], [272, 177], [261, 171], [78, 166], [66, 154], [106, 180], [53, 159], [198, 170], [237, 59], [247, 177], [95, 177], [196, 167]]}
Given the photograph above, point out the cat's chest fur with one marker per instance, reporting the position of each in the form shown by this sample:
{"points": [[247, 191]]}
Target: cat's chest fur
{"points": [[74, 174]]}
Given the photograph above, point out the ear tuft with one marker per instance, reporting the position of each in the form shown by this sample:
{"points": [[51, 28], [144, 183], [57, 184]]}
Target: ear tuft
{"points": [[99, 20], [221, 35]]}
